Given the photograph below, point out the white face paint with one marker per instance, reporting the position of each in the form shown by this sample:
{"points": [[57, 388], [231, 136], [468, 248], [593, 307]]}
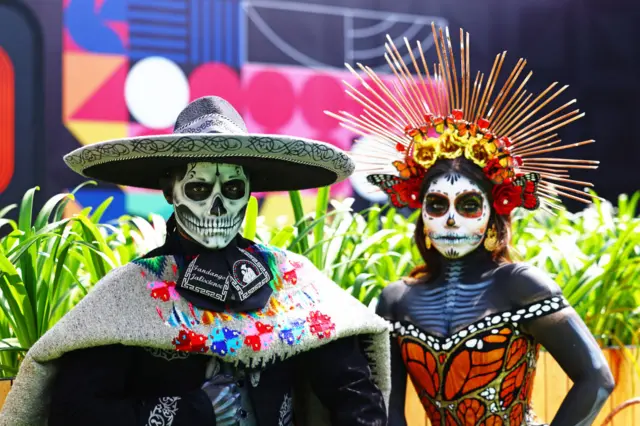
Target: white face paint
{"points": [[456, 213], [210, 202]]}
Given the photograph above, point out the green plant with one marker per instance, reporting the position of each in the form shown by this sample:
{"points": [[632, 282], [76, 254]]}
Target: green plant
{"points": [[48, 263]]}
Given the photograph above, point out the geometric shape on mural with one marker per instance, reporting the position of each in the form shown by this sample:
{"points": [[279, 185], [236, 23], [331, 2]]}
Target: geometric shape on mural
{"points": [[87, 23], [7, 119], [107, 102], [156, 90], [159, 28], [83, 75], [218, 35], [93, 197], [141, 203], [218, 80], [88, 132]]}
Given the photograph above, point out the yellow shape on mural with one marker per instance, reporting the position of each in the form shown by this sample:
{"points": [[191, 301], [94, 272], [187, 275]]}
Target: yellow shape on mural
{"points": [[82, 75], [278, 205], [88, 132]]}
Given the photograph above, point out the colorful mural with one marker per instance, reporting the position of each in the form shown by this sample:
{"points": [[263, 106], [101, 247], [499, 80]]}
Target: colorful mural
{"points": [[130, 66]]}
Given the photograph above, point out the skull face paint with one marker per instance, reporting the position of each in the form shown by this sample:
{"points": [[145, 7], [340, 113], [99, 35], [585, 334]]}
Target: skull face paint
{"points": [[210, 202], [455, 212]]}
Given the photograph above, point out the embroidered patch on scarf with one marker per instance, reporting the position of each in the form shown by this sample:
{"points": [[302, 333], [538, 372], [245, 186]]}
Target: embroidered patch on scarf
{"points": [[275, 322]]}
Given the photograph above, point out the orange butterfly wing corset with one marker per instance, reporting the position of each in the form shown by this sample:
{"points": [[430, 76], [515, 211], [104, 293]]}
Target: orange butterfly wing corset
{"points": [[479, 376]]}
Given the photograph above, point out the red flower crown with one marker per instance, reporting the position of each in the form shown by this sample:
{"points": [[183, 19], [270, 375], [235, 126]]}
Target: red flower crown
{"points": [[426, 117]]}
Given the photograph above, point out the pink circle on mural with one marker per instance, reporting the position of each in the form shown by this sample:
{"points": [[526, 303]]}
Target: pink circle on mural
{"points": [[215, 79], [320, 93], [270, 99]]}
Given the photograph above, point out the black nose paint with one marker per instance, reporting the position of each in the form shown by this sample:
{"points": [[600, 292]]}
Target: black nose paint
{"points": [[218, 208]]}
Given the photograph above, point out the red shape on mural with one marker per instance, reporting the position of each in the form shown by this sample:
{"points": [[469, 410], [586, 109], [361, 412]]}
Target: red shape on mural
{"points": [[121, 29], [270, 100], [7, 119], [320, 93], [108, 102], [215, 79]]}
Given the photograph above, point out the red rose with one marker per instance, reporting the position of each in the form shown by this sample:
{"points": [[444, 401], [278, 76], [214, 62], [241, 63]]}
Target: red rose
{"points": [[407, 191], [506, 197]]}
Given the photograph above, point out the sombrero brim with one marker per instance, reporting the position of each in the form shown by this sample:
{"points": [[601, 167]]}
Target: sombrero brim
{"points": [[274, 162]]}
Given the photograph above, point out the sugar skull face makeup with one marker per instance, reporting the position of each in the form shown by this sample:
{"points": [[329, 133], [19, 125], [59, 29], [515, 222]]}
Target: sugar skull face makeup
{"points": [[210, 201], [455, 212]]}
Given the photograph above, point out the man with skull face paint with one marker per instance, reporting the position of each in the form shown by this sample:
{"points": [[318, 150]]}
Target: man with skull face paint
{"points": [[210, 328], [468, 323]]}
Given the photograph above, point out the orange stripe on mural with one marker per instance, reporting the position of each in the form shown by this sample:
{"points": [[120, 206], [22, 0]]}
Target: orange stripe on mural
{"points": [[7, 119]]}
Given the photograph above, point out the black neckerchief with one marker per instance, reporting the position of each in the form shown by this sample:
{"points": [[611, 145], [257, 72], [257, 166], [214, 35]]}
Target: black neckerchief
{"points": [[235, 278]]}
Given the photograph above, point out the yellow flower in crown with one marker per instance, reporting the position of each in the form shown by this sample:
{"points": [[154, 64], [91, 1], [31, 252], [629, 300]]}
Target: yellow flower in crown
{"points": [[477, 152], [426, 151], [450, 146]]}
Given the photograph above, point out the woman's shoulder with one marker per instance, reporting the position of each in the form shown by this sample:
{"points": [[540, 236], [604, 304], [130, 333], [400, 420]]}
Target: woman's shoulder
{"points": [[524, 284], [390, 297]]}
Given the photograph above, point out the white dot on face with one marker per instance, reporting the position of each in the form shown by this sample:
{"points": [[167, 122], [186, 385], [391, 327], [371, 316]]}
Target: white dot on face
{"points": [[156, 91]]}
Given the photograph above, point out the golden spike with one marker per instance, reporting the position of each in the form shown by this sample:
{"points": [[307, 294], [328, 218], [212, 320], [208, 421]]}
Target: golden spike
{"points": [[559, 148], [477, 87], [551, 197], [544, 169], [513, 126], [514, 107], [558, 166], [573, 181], [375, 119], [386, 91], [399, 122], [502, 94], [381, 129], [400, 95], [426, 70], [357, 122], [557, 126], [463, 74], [537, 129], [466, 113], [506, 112], [436, 42], [489, 87], [541, 119], [565, 160], [568, 188], [543, 204], [453, 68], [532, 150], [545, 174], [444, 64], [392, 121], [425, 92], [534, 145], [399, 63], [518, 112], [441, 87], [564, 194]]}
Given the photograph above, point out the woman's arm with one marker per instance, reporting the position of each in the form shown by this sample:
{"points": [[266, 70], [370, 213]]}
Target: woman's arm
{"points": [[571, 344], [91, 389], [385, 308]]}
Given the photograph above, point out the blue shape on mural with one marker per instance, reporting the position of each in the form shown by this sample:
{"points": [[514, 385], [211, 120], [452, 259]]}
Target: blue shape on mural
{"points": [[88, 26], [93, 197], [216, 32], [159, 28]]}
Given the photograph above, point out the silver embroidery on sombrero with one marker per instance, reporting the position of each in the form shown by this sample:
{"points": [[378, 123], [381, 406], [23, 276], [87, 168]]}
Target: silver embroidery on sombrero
{"points": [[164, 413]]}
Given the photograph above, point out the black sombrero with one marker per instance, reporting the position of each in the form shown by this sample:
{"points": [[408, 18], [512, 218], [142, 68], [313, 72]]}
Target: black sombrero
{"points": [[210, 129]]}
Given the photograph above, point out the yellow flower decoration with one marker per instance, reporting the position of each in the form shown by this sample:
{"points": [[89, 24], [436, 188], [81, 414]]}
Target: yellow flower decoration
{"points": [[449, 148], [477, 152], [426, 152]]}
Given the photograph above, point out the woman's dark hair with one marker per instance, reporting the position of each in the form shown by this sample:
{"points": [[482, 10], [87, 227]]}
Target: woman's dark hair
{"points": [[432, 259]]}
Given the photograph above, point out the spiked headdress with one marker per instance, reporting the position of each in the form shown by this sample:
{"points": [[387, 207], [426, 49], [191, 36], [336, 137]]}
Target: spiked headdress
{"points": [[423, 116]]}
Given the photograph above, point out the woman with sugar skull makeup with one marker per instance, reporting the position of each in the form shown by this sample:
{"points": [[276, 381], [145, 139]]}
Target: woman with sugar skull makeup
{"points": [[210, 328], [468, 323]]}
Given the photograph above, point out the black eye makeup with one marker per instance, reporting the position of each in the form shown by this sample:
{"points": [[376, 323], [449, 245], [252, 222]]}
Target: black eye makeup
{"points": [[198, 191], [436, 204], [234, 189], [469, 204]]}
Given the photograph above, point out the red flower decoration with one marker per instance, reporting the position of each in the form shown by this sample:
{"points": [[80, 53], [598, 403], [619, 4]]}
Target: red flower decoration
{"points": [[320, 324], [506, 197], [530, 198], [291, 276], [190, 341], [407, 191]]}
